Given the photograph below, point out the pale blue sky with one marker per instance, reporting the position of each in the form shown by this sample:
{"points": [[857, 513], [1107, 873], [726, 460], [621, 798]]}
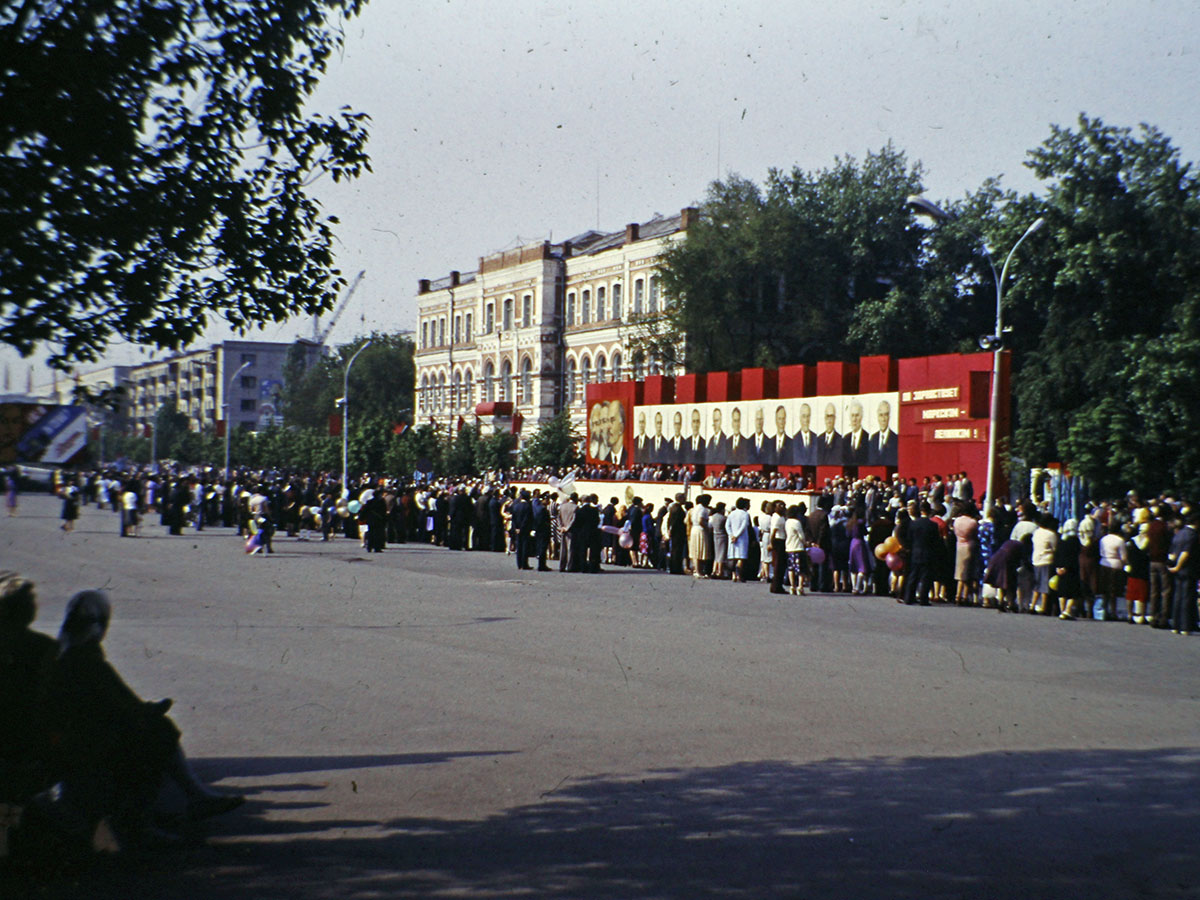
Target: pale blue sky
{"points": [[499, 122]]}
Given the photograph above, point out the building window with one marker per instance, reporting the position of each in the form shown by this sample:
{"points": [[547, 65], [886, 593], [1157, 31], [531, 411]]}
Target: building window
{"points": [[600, 367], [424, 335], [526, 380], [639, 367], [570, 316], [527, 310], [247, 381], [467, 329], [586, 372], [653, 294], [456, 395], [616, 366], [423, 394], [585, 301], [457, 329], [616, 299], [489, 382], [469, 387], [599, 304], [506, 384], [248, 405], [571, 379], [508, 313], [490, 318], [637, 297], [441, 332]]}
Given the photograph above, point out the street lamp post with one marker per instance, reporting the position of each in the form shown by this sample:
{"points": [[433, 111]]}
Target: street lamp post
{"points": [[995, 340], [228, 409], [346, 420]]}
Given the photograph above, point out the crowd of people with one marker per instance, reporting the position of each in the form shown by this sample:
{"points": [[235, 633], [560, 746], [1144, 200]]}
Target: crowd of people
{"points": [[920, 542]]}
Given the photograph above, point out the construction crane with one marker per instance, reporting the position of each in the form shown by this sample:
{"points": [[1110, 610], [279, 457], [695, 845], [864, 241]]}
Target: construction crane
{"points": [[319, 335]]}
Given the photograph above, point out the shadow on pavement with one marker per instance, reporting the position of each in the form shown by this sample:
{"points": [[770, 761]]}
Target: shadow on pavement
{"points": [[1054, 824]]}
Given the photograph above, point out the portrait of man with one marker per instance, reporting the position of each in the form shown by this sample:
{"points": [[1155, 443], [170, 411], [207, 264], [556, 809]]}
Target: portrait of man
{"points": [[856, 439], [658, 443], [829, 444], [696, 444], [675, 448], [780, 447], [739, 447], [760, 444], [616, 433], [804, 444], [717, 451], [597, 431], [641, 440], [883, 447]]}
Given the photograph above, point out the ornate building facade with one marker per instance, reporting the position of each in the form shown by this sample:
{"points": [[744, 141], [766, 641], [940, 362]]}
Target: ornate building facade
{"points": [[530, 328]]}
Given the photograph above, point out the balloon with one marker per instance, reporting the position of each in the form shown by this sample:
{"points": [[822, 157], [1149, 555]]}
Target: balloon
{"points": [[895, 562], [817, 555], [626, 539], [891, 544], [354, 506], [880, 551]]}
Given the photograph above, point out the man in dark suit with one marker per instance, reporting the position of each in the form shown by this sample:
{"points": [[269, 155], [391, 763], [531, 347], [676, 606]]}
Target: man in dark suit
{"points": [[716, 453], [804, 444], [829, 444], [568, 556], [677, 534], [587, 522], [856, 442], [675, 452], [481, 524], [882, 448], [923, 534], [779, 450], [522, 526], [541, 528], [658, 443], [760, 444], [641, 443], [739, 447]]}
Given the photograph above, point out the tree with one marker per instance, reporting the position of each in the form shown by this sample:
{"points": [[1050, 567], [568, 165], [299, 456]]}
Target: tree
{"points": [[554, 445], [773, 275], [156, 168], [381, 383]]}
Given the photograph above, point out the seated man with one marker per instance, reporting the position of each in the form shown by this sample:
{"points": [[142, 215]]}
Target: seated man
{"points": [[113, 749], [26, 660]]}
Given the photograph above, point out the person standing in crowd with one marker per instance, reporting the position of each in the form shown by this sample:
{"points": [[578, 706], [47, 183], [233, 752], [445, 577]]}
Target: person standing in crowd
{"points": [[778, 545], [737, 528], [567, 511], [522, 527], [70, 507], [966, 554], [541, 528], [924, 536], [1066, 571], [1137, 567], [720, 540], [11, 492], [1045, 540], [1182, 565], [1112, 569], [697, 526], [677, 534], [793, 546]]}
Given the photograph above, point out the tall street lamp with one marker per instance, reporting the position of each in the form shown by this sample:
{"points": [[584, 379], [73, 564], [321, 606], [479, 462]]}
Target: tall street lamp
{"points": [[228, 409], [345, 404], [993, 341]]}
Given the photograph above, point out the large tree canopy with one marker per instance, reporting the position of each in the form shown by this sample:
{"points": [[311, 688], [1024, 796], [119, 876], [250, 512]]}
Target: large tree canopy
{"points": [[156, 161], [1104, 302]]}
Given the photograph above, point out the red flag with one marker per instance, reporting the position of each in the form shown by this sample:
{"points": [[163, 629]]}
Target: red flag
{"points": [[461, 423], [399, 428], [335, 424], [220, 428], [518, 419]]}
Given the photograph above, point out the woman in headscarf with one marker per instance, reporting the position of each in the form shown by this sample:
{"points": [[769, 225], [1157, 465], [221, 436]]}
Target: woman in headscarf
{"points": [[113, 748], [26, 660]]}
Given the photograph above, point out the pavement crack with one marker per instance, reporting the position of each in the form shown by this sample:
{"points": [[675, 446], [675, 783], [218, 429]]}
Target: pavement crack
{"points": [[624, 674]]}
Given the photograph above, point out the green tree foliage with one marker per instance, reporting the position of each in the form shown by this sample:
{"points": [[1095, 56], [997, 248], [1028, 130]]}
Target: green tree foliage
{"points": [[773, 275], [156, 166], [381, 383], [554, 445]]}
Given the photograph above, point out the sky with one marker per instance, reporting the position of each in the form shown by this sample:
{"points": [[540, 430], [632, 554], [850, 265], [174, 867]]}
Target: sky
{"points": [[497, 123]]}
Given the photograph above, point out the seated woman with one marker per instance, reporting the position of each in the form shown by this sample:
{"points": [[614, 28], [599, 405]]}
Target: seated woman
{"points": [[113, 749], [26, 660]]}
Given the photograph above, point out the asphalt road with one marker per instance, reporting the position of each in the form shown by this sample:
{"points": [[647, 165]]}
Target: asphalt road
{"points": [[427, 723]]}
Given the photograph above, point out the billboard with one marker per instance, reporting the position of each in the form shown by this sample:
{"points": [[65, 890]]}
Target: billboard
{"points": [[44, 434]]}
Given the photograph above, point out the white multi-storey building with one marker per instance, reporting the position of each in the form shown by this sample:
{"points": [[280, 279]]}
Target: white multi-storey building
{"points": [[532, 326]]}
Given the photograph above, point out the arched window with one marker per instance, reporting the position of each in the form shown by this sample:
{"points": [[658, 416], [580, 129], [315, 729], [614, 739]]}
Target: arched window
{"points": [[506, 381], [653, 305], [639, 366], [441, 391], [616, 299], [616, 366], [441, 332], [424, 335], [526, 380], [527, 310], [600, 310], [586, 373], [457, 329], [489, 382], [469, 387], [585, 301], [569, 318], [601, 366], [638, 290], [571, 379], [423, 394], [508, 313], [456, 392]]}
